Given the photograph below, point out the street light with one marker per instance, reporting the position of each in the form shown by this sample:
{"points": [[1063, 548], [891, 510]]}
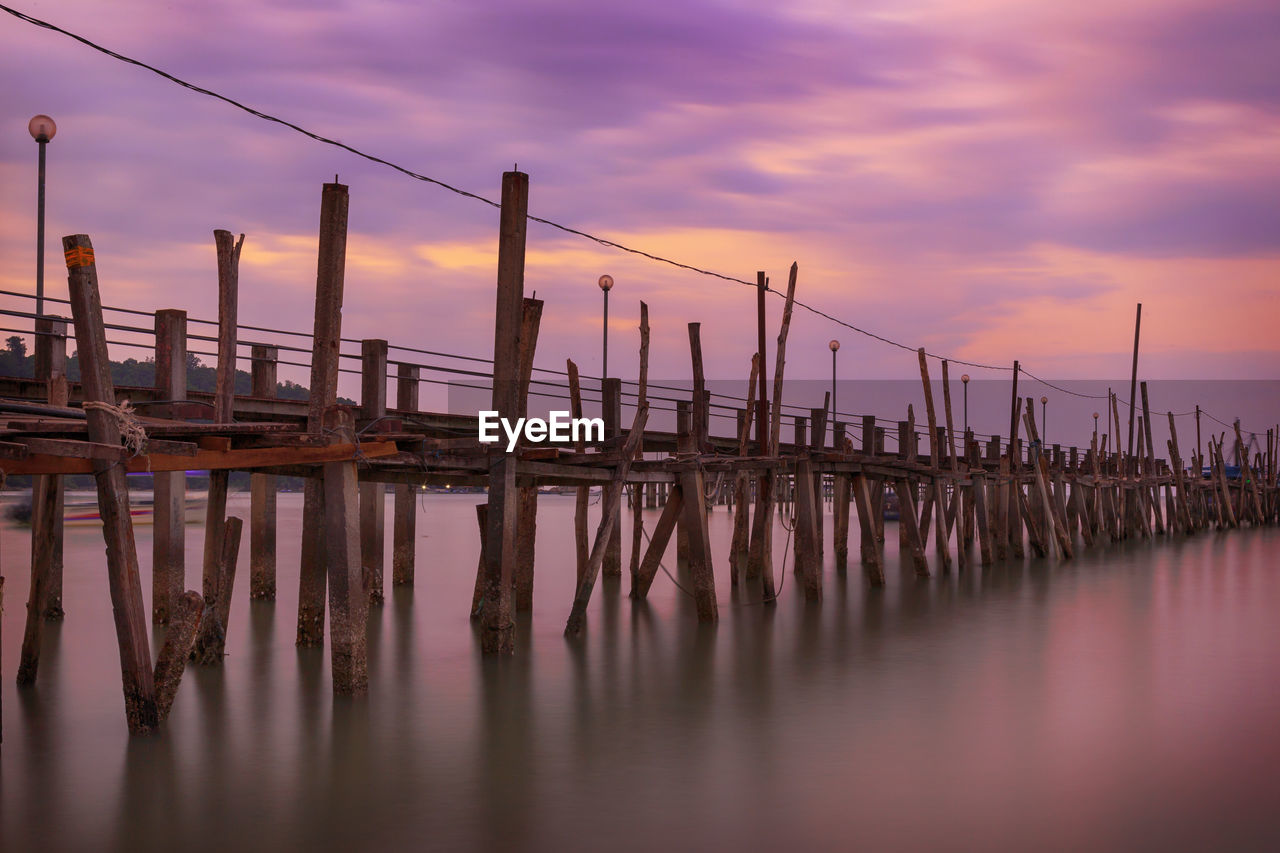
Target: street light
{"points": [[606, 284], [834, 345], [1044, 420], [1095, 429], [964, 380], [42, 129]]}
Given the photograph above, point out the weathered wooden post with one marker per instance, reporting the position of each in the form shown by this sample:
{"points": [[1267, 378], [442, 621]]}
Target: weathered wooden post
{"points": [[228, 249], [817, 443], [642, 399], [582, 497], [739, 547], [331, 259], [527, 495], [348, 599], [609, 502], [211, 640], [50, 368], [179, 641], [373, 502], [611, 397], [935, 454], [404, 534], [113, 492], [840, 503], [262, 490], [808, 559], [497, 628], [168, 544], [760, 559]]}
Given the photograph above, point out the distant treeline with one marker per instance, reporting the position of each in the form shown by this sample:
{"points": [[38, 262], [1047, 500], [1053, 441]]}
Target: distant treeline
{"points": [[14, 361]]}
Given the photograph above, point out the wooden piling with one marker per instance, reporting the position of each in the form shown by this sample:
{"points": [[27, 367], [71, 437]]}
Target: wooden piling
{"points": [[262, 490], [179, 642], [331, 259], [658, 541], [373, 500], [44, 503], [583, 493], [348, 597], [228, 252], [113, 492], [404, 532], [642, 399], [211, 640], [760, 559], [497, 634], [526, 495], [51, 368], [609, 502], [611, 396]]}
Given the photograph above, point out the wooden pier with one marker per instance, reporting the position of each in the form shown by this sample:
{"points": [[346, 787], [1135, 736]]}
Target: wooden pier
{"points": [[984, 499]]}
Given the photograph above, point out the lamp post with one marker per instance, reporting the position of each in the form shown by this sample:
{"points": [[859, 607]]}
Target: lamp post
{"points": [[834, 345], [1095, 429], [964, 381], [42, 129], [1044, 419], [606, 284]]}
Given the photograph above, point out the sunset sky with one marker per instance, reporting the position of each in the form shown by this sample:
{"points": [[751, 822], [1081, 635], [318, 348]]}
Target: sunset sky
{"points": [[990, 179]]}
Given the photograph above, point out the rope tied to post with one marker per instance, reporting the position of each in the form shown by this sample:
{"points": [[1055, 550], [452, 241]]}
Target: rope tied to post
{"points": [[131, 431]]}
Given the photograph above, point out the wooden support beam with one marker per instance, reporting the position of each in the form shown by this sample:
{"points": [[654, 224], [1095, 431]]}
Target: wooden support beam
{"points": [[840, 504], [179, 642], [642, 399], [51, 368], [262, 490], [228, 252], [608, 518], [907, 518], [168, 543], [583, 498], [113, 492], [348, 592], [808, 561], [497, 628], [373, 496], [526, 496], [760, 558], [44, 504], [404, 534], [331, 260], [611, 395], [817, 441], [658, 541], [211, 640], [869, 545]]}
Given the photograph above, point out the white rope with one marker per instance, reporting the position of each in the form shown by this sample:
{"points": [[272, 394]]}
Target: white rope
{"points": [[131, 431]]}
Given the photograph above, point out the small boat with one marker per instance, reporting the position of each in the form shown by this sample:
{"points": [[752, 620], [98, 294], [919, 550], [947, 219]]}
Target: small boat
{"points": [[83, 512]]}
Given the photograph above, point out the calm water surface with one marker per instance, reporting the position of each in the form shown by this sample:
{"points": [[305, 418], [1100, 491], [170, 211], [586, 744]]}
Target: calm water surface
{"points": [[1129, 700]]}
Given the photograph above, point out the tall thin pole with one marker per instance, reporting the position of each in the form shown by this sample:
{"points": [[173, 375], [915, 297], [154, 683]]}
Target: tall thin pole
{"points": [[604, 368], [762, 403], [1044, 422], [1013, 404], [1199, 450], [1133, 381], [966, 405], [40, 233], [833, 386]]}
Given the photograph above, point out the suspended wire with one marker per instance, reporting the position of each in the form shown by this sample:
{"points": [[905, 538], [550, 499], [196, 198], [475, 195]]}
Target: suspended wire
{"points": [[612, 244]]}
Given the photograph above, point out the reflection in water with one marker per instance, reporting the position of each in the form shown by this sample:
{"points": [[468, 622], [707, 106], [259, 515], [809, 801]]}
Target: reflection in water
{"points": [[1126, 700]]}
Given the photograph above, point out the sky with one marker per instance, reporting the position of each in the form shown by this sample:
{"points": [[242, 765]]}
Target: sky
{"points": [[989, 179]]}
